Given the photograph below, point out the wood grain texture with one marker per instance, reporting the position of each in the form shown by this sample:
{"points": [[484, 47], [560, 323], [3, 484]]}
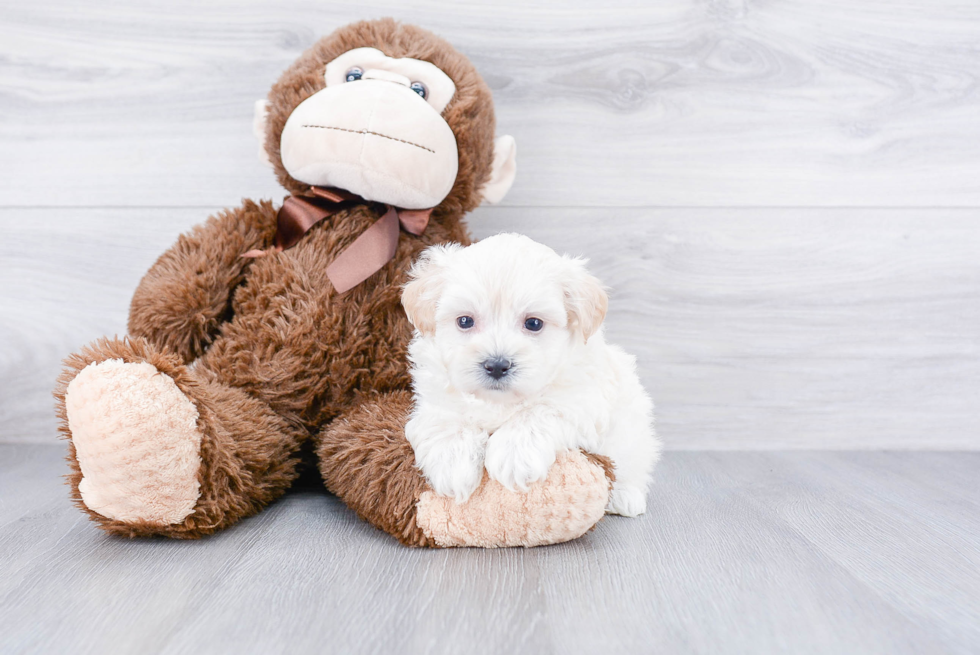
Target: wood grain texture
{"points": [[754, 327], [683, 103], [739, 553], [776, 328]]}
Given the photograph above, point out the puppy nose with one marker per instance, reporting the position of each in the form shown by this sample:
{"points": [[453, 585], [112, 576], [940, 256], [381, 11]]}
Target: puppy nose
{"points": [[496, 367]]}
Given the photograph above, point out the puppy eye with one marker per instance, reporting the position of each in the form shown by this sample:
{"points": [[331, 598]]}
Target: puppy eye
{"points": [[353, 74], [465, 322], [419, 88], [533, 324]]}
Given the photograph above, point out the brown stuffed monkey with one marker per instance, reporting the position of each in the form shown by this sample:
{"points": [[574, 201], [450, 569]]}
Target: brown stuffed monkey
{"points": [[263, 328]]}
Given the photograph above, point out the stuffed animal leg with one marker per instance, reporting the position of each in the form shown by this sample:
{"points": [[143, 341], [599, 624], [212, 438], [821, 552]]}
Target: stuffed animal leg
{"points": [[158, 449], [366, 460]]}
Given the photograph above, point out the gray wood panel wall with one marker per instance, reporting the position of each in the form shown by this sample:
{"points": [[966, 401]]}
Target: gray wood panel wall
{"points": [[784, 197]]}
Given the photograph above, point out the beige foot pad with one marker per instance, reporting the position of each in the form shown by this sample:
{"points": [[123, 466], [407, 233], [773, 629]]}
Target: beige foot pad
{"points": [[563, 507], [137, 443]]}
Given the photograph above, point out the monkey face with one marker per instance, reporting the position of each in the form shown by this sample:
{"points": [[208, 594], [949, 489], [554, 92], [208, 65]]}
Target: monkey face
{"points": [[392, 113], [376, 130]]}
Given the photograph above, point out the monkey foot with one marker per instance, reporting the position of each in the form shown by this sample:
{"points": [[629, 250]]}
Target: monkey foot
{"points": [[562, 507], [137, 443]]}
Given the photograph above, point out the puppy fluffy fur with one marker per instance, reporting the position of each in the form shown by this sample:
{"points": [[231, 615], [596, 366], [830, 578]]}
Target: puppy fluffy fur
{"points": [[510, 367]]}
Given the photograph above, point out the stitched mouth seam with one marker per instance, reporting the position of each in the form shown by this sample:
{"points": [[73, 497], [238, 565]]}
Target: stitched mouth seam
{"points": [[343, 129]]}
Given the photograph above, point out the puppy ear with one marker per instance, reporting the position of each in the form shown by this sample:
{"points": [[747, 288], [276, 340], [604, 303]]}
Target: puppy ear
{"points": [[421, 295], [585, 298]]}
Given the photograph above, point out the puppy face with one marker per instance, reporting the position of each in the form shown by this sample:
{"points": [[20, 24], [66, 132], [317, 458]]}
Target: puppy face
{"points": [[503, 314]]}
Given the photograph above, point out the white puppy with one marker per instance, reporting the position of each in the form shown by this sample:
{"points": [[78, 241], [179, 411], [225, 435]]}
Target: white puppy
{"points": [[510, 367]]}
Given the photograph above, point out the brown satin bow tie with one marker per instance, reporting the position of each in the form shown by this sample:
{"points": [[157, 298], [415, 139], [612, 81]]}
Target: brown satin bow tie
{"points": [[361, 259]]}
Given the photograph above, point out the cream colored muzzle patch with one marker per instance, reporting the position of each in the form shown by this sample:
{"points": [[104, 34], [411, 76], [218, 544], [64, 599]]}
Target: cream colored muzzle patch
{"points": [[376, 138]]}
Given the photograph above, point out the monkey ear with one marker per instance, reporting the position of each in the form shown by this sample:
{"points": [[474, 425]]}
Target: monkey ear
{"points": [[503, 170], [421, 295], [258, 128], [585, 298]]}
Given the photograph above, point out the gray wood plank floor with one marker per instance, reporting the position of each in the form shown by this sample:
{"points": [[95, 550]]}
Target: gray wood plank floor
{"points": [[802, 552]]}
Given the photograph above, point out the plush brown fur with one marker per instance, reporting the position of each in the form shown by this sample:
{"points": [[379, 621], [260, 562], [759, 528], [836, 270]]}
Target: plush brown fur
{"points": [[366, 460], [183, 300], [278, 354]]}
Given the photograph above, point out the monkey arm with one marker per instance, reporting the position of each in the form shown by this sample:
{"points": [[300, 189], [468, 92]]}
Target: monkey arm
{"points": [[185, 296]]}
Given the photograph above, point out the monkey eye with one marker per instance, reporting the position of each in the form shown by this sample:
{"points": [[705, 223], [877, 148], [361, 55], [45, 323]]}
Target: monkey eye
{"points": [[533, 324], [465, 322], [353, 74], [419, 88]]}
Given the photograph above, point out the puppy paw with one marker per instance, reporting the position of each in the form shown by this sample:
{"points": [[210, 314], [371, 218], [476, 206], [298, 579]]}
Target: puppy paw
{"points": [[452, 463], [453, 478], [627, 501], [517, 457]]}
